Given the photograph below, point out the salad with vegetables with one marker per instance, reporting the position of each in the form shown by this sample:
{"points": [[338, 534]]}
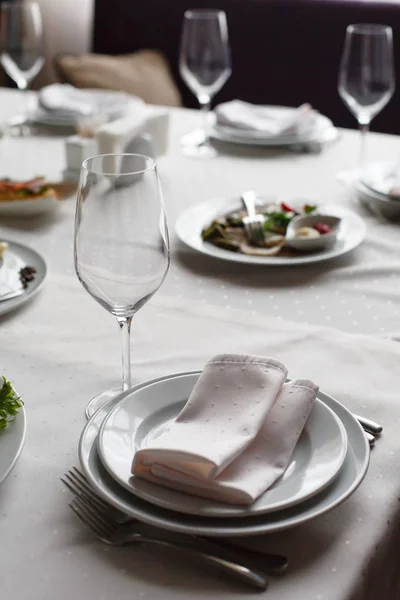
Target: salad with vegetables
{"points": [[228, 231], [10, 403]]}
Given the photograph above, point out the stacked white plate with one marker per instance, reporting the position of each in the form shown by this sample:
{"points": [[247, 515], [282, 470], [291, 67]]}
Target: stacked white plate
{"points": [[109, 105], [375, 189], [329, 462], [322, 130]]}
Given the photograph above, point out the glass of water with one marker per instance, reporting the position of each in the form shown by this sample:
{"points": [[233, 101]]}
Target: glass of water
{"points": [[205, 65]]}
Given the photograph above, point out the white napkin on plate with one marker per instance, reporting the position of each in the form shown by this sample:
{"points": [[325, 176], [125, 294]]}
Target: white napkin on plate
{"points": [[236, 434], [65, 100], [268, 120]]}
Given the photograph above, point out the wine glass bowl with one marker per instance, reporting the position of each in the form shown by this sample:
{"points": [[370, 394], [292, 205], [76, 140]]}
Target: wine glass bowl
{"points": [[121, 245], [21, 45], [366, 74], [204, 63]]}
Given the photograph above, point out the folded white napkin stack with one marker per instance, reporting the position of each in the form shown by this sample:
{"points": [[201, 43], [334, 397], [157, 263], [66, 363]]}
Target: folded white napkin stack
{"points": [[65, 100], [270, 121], [236, 434]]}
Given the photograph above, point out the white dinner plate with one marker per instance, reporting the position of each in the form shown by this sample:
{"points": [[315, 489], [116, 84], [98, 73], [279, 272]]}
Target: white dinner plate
{"points": [[30, 207], [349, 478], [16, 257], [225, 133], [112, 105], [144, 414], [12, 441], [190, 224]]}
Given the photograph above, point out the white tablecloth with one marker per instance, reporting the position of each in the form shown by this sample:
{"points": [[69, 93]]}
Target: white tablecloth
{"points": [[61, 348]]}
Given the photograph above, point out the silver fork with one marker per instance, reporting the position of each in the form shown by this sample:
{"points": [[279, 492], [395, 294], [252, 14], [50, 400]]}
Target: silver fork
{"points": [[117, 534], [269, 563], [253, 222]]}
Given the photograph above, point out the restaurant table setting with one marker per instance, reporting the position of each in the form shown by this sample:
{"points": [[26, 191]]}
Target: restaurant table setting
{"points": [[251, 442]]}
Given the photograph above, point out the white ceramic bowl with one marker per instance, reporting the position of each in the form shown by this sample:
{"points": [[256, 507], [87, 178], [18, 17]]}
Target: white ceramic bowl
{"points": [[312, 244]]}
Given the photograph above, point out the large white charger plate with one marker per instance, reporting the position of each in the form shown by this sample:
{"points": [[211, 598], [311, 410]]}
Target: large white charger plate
{"points": [[190, 224], [16, 257], [349, 478], [234, 135], [144, 414], [12, 441]]}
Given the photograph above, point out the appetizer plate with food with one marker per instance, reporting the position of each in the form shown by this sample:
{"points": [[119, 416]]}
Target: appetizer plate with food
{"points": [[27, 198], [294, 233], [12, 427], [22, 274]]}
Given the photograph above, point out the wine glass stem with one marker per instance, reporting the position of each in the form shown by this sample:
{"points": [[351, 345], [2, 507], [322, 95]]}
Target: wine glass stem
{"points": [[205, 104], [364, 129], [125, 327]]}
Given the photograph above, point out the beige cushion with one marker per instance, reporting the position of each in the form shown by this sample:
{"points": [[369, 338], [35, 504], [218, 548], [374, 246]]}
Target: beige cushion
{"points": [[145, 74]]}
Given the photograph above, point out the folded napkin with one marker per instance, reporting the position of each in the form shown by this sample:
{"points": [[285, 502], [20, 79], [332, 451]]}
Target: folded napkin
{"points": [[236, 434], [268, 120], [65, 100]]}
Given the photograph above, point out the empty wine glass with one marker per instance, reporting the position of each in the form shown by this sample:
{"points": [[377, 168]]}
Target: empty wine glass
{"points": [[366, 76], [21, 44], [205, 65], [121, 245]]}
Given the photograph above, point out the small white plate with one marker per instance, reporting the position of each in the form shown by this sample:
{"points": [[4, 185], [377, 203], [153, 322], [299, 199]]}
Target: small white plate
{"points": [[190, 224], [143, 415], [12, 441], [233, 135], [349, 478], [30, 207], [16, 257]]}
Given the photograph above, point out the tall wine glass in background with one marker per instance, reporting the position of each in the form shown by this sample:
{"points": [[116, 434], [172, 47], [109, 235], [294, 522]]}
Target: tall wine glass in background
{"points": [[205, 64], [21, 44], [366, 76], [121, 245]]}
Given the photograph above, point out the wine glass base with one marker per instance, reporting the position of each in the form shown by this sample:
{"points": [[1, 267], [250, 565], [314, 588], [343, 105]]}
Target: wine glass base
{"points": [[203, 151], [195, 144], [99, 400]]}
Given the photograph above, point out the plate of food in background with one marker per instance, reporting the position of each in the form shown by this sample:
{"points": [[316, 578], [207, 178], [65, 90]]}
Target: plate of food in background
{"points": [[32, 197], [216, 228]]}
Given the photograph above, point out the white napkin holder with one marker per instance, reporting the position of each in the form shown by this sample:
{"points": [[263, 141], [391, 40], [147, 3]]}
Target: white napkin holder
{"points": [[131, 134]]}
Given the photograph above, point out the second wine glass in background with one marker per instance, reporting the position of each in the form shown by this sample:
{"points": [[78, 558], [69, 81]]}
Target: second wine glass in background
{"points": [[366, 75], [21, 45], [121, 246], [205, 64]]}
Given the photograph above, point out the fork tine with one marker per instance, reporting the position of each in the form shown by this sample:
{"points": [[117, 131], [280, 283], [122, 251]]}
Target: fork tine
{"points": [[108, 522], [94, 524], [82, 484], [80, 491]]}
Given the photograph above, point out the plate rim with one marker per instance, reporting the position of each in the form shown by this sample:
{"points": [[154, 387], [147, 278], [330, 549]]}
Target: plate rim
{"points": [[21, 416], [5, 307], [257, 140], [173, 522], [240, 512], [275, 261]]}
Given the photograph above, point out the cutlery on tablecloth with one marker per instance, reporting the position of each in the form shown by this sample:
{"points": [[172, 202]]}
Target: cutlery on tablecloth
{"points": [[117, 534], [271, 564]]}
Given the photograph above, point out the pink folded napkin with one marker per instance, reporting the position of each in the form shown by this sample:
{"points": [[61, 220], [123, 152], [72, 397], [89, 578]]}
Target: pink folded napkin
{"points": [[236, 434], [270, 121]]}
